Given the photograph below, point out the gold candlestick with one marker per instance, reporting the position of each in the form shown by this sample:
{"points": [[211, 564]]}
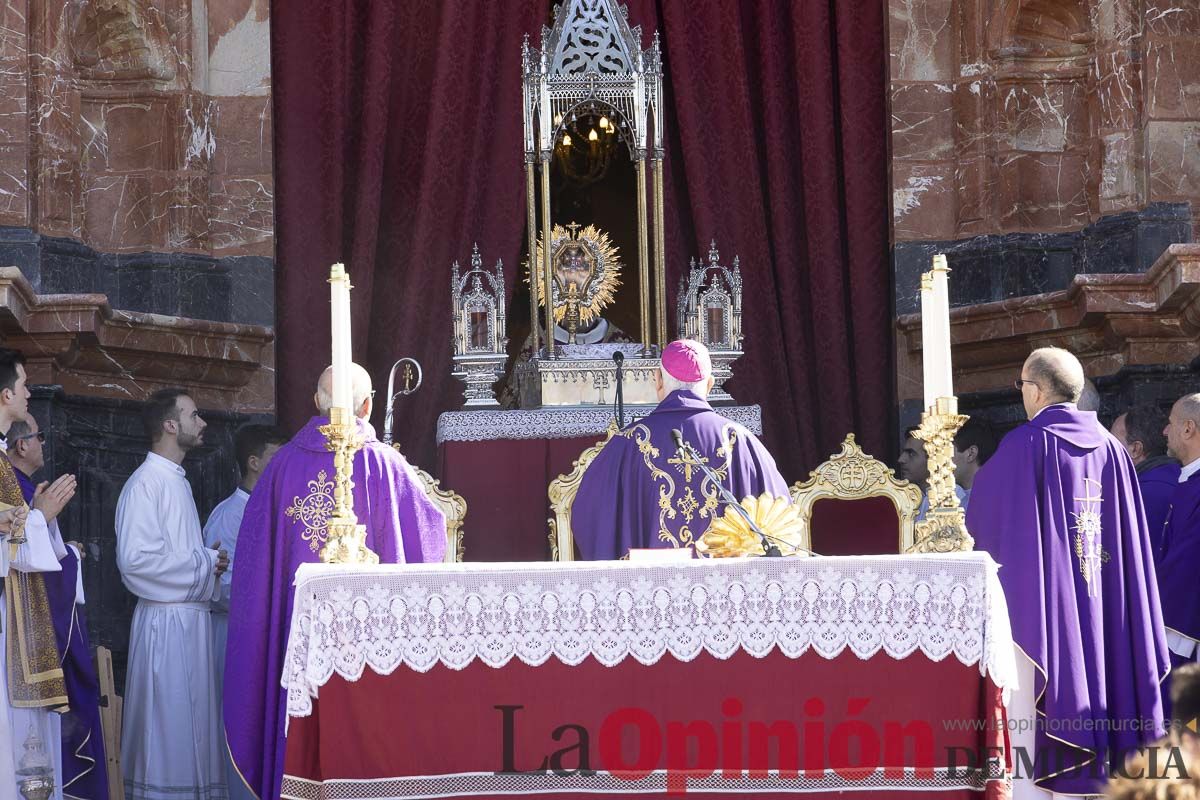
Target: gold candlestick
{"points": [[944, 528], [346, 540]]}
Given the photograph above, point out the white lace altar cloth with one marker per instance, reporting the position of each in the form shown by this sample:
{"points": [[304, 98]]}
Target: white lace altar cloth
{"points": [[418, 615], [560, 423]]}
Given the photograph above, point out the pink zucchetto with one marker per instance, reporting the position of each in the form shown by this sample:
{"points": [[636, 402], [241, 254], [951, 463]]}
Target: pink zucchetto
{"points": [[686, 360]]}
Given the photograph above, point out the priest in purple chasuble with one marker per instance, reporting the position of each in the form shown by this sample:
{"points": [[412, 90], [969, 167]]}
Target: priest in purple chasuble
{"points": [[639, 492], [1059, 509], [85, 771], [284, 527], [1179, 558]]}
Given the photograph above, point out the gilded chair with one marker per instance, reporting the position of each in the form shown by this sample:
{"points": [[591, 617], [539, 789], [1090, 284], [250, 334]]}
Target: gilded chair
{"points": [[853, 504], [562, 493], [453, 506]]}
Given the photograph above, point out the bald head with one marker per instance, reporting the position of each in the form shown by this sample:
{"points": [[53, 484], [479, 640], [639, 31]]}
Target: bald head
{"points": [[360, 391], [1183, 429]]}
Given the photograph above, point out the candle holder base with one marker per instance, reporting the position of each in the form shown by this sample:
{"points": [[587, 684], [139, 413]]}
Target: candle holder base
{"points": [[944, 528], [345, 542]]}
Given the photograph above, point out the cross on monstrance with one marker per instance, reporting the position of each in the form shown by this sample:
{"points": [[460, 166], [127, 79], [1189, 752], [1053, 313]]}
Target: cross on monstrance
{"points": [[574, 229], [685, 463]]}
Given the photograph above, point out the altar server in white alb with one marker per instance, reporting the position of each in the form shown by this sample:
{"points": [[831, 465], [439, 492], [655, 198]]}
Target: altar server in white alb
{"points": [[29, 732], [171, 743]]}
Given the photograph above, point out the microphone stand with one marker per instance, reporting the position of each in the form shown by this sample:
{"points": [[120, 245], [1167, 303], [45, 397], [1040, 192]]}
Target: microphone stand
{"points": [[769, 548], [619, 359]]}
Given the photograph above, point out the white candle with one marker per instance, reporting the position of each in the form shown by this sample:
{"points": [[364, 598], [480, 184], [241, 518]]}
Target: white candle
{"points": [[339, 299], [927, 339], [943, 379]]}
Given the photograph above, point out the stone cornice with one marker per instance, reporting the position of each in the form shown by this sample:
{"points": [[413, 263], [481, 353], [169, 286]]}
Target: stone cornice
{"points": [[79, 342], [1110, 321]]}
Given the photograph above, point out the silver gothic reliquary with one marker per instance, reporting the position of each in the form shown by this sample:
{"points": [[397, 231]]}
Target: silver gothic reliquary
{"points": [[710, 311], [480, 343]]}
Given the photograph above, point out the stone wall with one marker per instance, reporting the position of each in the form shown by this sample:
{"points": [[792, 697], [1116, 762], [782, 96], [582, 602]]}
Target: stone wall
{"points": [[1037, 140], [136, 241], [135, 153]]}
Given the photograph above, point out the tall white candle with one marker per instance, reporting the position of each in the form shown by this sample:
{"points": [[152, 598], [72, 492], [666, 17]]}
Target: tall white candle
{"points": [[927, 336], [339, 298], [943, 378]]}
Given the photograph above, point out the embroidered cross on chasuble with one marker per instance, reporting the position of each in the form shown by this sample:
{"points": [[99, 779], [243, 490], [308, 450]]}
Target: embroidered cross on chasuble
{"points": [[682, 517], [35, 676]]}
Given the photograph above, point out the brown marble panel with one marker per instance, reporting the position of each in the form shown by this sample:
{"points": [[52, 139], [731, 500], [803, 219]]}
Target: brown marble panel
{"points": [[190, 214], [59, 204], [14, 185], [1121, 187], [923, 121], [1173, 78], [974, 101], [1118, 95], [923, 46], [242, 136], [974, 196], [922, 200], [1043, 191], [1043, 116], [242, 215], [1172, 17], [127, 213], [1174, 156], [128, 133]]}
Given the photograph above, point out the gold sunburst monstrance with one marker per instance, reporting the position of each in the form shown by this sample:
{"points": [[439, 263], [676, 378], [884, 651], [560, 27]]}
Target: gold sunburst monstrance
{"points": [[586, 269]]}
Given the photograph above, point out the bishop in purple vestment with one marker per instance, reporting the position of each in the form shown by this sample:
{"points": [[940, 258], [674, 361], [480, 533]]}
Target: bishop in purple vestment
{"points": [[1179, 559], [1058, 507], [84, 768], [284, 527], [639, 492]]}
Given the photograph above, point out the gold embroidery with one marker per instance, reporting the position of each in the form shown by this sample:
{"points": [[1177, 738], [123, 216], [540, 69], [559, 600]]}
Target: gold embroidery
{"points": [[35, 677], [313, 511], [684, 505], [1088, 549]]}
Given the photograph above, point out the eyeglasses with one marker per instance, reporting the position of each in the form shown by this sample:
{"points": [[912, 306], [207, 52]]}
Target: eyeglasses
{"points": [[1019, 381], [40, 436]]}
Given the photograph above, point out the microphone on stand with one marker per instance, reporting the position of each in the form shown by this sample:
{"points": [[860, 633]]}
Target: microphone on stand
{"points": [[682, 447], [619, 359]]}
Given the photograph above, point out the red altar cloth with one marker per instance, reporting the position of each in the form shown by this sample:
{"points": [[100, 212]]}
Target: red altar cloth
{"points": [[504, 482], [436, 680]]}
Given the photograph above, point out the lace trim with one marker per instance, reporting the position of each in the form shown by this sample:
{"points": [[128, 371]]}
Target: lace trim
{"points": [[419, 615], [549, 423], [601, 782]]}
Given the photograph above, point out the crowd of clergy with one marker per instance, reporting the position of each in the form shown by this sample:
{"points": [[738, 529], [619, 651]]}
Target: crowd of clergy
{"points": [[1096, 533]]}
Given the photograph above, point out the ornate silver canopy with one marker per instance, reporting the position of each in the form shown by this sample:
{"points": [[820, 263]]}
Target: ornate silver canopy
{"points": [[480, 344], [591, 65], [591, 57]]}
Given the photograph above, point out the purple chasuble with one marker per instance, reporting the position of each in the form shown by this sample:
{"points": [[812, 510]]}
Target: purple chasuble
{"points": [[1158, 478], [1058, 507], [1179, 559], [85, 771], [284, 527], [638, 492]]}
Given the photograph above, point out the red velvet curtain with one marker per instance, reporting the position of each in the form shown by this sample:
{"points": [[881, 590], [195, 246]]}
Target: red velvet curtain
{"points": [[398, 145]]}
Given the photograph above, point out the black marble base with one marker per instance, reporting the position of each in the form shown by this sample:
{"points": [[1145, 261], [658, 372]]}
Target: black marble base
{"points": [[989, 268], [232, 289], [101, 442]]}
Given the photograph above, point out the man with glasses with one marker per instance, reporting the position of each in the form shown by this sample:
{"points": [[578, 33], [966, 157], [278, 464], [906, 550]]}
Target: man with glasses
{"points": [[84, 769], [283, 527], [1058, 507]]}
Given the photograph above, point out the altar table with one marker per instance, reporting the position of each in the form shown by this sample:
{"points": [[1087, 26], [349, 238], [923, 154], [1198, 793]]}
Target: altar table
{"points": [[734, 677], [502, 462]]}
